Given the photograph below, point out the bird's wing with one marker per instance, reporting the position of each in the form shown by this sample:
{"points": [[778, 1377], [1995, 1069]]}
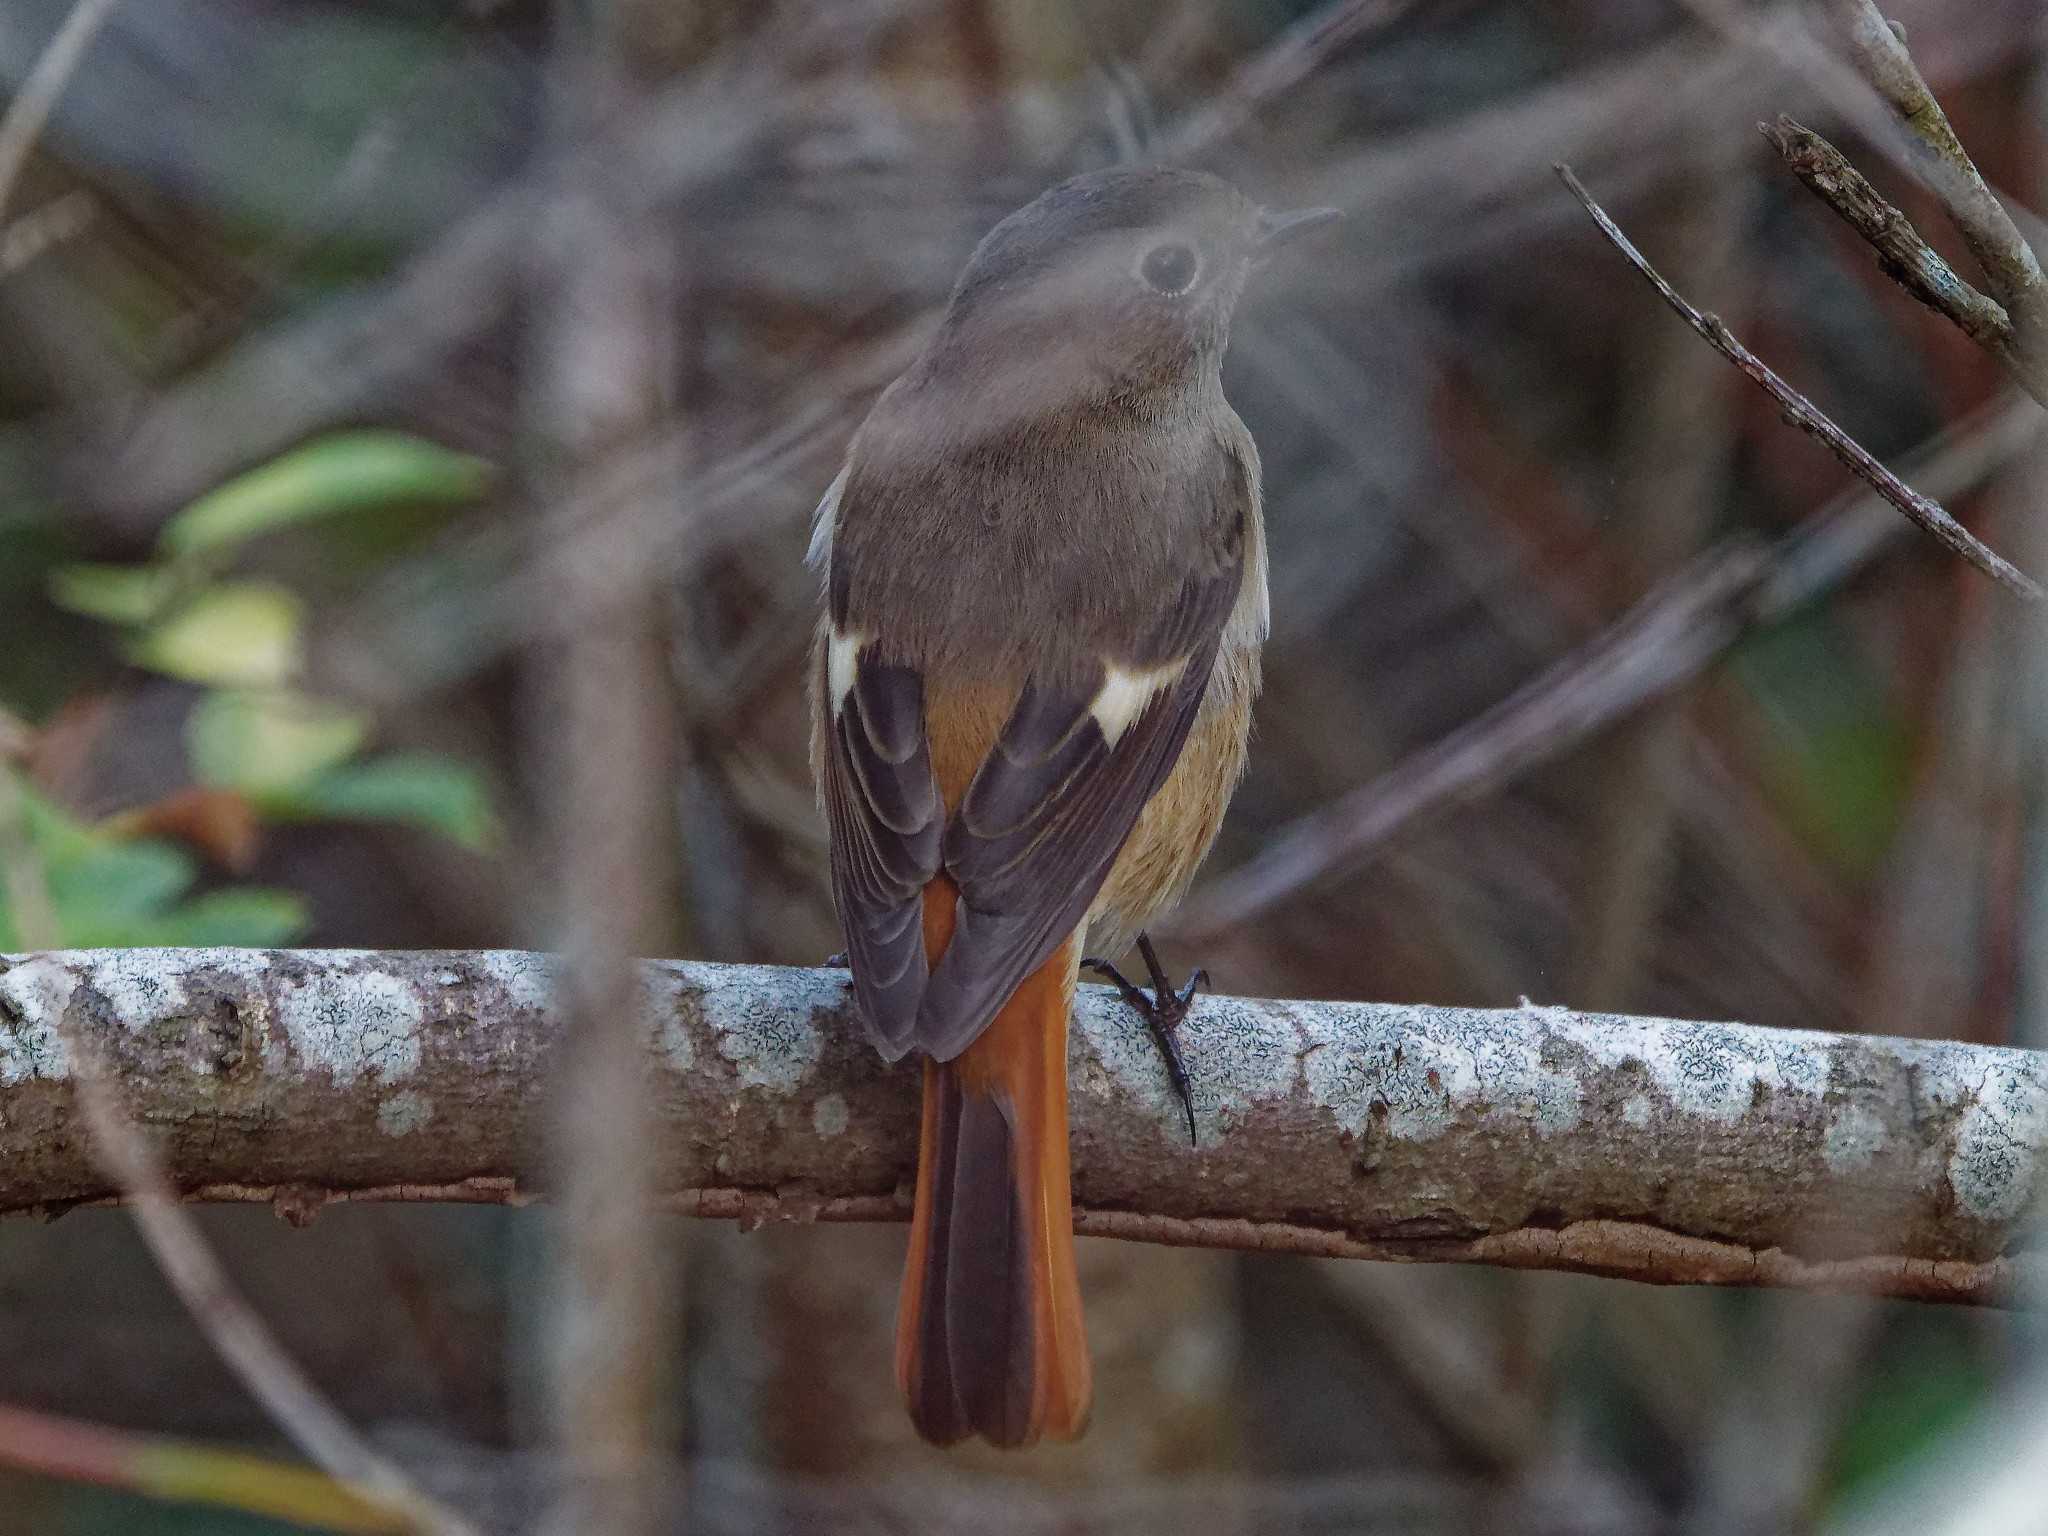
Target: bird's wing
{"points": [[887, 821], [1049, 809], [1093, 734]]}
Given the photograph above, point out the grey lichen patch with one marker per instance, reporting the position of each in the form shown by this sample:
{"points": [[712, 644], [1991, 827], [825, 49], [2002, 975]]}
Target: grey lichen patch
{"points": [[404, 1112], [829, 1116], [764, 1021], [665, 995], [33, 997], [1854, 1137], [531, 981], [1718, 1072], [1425, 1067], [1236, 1054], [1995, 1169], [351, 1021], [142, 987]]}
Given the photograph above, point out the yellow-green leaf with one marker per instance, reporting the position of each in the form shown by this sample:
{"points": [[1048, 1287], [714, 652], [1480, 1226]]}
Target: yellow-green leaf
{"points": [[119, 594], [238, 634], [257, 740], [346, 472], [418, 789]]}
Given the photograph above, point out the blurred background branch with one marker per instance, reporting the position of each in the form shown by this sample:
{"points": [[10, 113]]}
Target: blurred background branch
{"points": [[601, 367], [30, 107]]}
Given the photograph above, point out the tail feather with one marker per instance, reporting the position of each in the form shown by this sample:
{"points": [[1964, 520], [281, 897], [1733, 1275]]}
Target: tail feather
{"points": [[989, 1338]]}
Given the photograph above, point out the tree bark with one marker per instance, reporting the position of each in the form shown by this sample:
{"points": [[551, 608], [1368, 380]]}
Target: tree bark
{"points": [[1537, 1137]]}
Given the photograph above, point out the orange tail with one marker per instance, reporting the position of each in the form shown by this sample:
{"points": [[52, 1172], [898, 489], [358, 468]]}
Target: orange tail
{"points": [[988, 1332]]}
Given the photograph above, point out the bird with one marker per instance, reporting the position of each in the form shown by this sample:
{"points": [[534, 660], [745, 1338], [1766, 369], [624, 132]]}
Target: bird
{"points": [[1044, 597]]}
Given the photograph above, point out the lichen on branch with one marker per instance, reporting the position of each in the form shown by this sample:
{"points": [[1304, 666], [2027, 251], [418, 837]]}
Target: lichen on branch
{"points": [[1663, 1150]]}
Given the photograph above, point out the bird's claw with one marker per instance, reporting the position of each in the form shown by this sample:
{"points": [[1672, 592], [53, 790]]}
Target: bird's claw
{"points": [[1162, 1009]]}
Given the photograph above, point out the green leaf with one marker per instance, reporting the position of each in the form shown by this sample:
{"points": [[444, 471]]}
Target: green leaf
{"points": [[111, 892], [416, 789], [346, 472], [248, 916], [113, 883], [103, 890], [259, 740], [53, 834], [119, 594], [238, 634]]}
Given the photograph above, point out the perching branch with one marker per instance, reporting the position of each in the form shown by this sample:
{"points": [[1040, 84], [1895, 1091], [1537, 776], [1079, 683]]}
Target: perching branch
{"points": [[1804, 414], [1536, 1137]]}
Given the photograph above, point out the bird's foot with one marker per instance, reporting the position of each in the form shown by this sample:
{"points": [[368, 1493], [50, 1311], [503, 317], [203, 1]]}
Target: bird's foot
{"points": [[1162, 1009]]}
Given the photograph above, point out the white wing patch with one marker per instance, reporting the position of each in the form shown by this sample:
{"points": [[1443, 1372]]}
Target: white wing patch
{"points": [[819, 555], [1124, 695], [842, 656]]}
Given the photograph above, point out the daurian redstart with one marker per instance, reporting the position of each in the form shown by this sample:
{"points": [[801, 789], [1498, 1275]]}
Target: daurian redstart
{"points": [[1045, 593]]}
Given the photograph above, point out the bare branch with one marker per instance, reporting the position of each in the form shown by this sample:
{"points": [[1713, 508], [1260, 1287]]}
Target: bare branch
{"points": [[1533, 1137], [1907, 258], [2008, 262], [1802, 413]]}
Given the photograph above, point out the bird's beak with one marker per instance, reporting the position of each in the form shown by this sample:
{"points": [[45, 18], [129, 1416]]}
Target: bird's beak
{"points": [[1278, 229]]}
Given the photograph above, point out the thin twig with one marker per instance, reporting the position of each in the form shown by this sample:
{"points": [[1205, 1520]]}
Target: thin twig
{"points": [[1907, 258], [1802, 413], [31, 107], [2008, 262]]}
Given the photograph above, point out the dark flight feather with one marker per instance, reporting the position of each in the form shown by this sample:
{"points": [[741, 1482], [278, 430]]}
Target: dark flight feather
{"points": [[887, 827]]}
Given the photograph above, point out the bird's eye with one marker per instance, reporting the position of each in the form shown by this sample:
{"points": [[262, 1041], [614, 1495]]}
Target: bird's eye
{"points": [[1170, 268]]}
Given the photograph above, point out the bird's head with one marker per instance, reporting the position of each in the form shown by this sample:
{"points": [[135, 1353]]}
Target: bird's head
{"points": [[1114, 283]]}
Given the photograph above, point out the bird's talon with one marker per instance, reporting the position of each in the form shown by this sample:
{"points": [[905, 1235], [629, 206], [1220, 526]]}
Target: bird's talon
{"points": [[1162, 1009]]}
